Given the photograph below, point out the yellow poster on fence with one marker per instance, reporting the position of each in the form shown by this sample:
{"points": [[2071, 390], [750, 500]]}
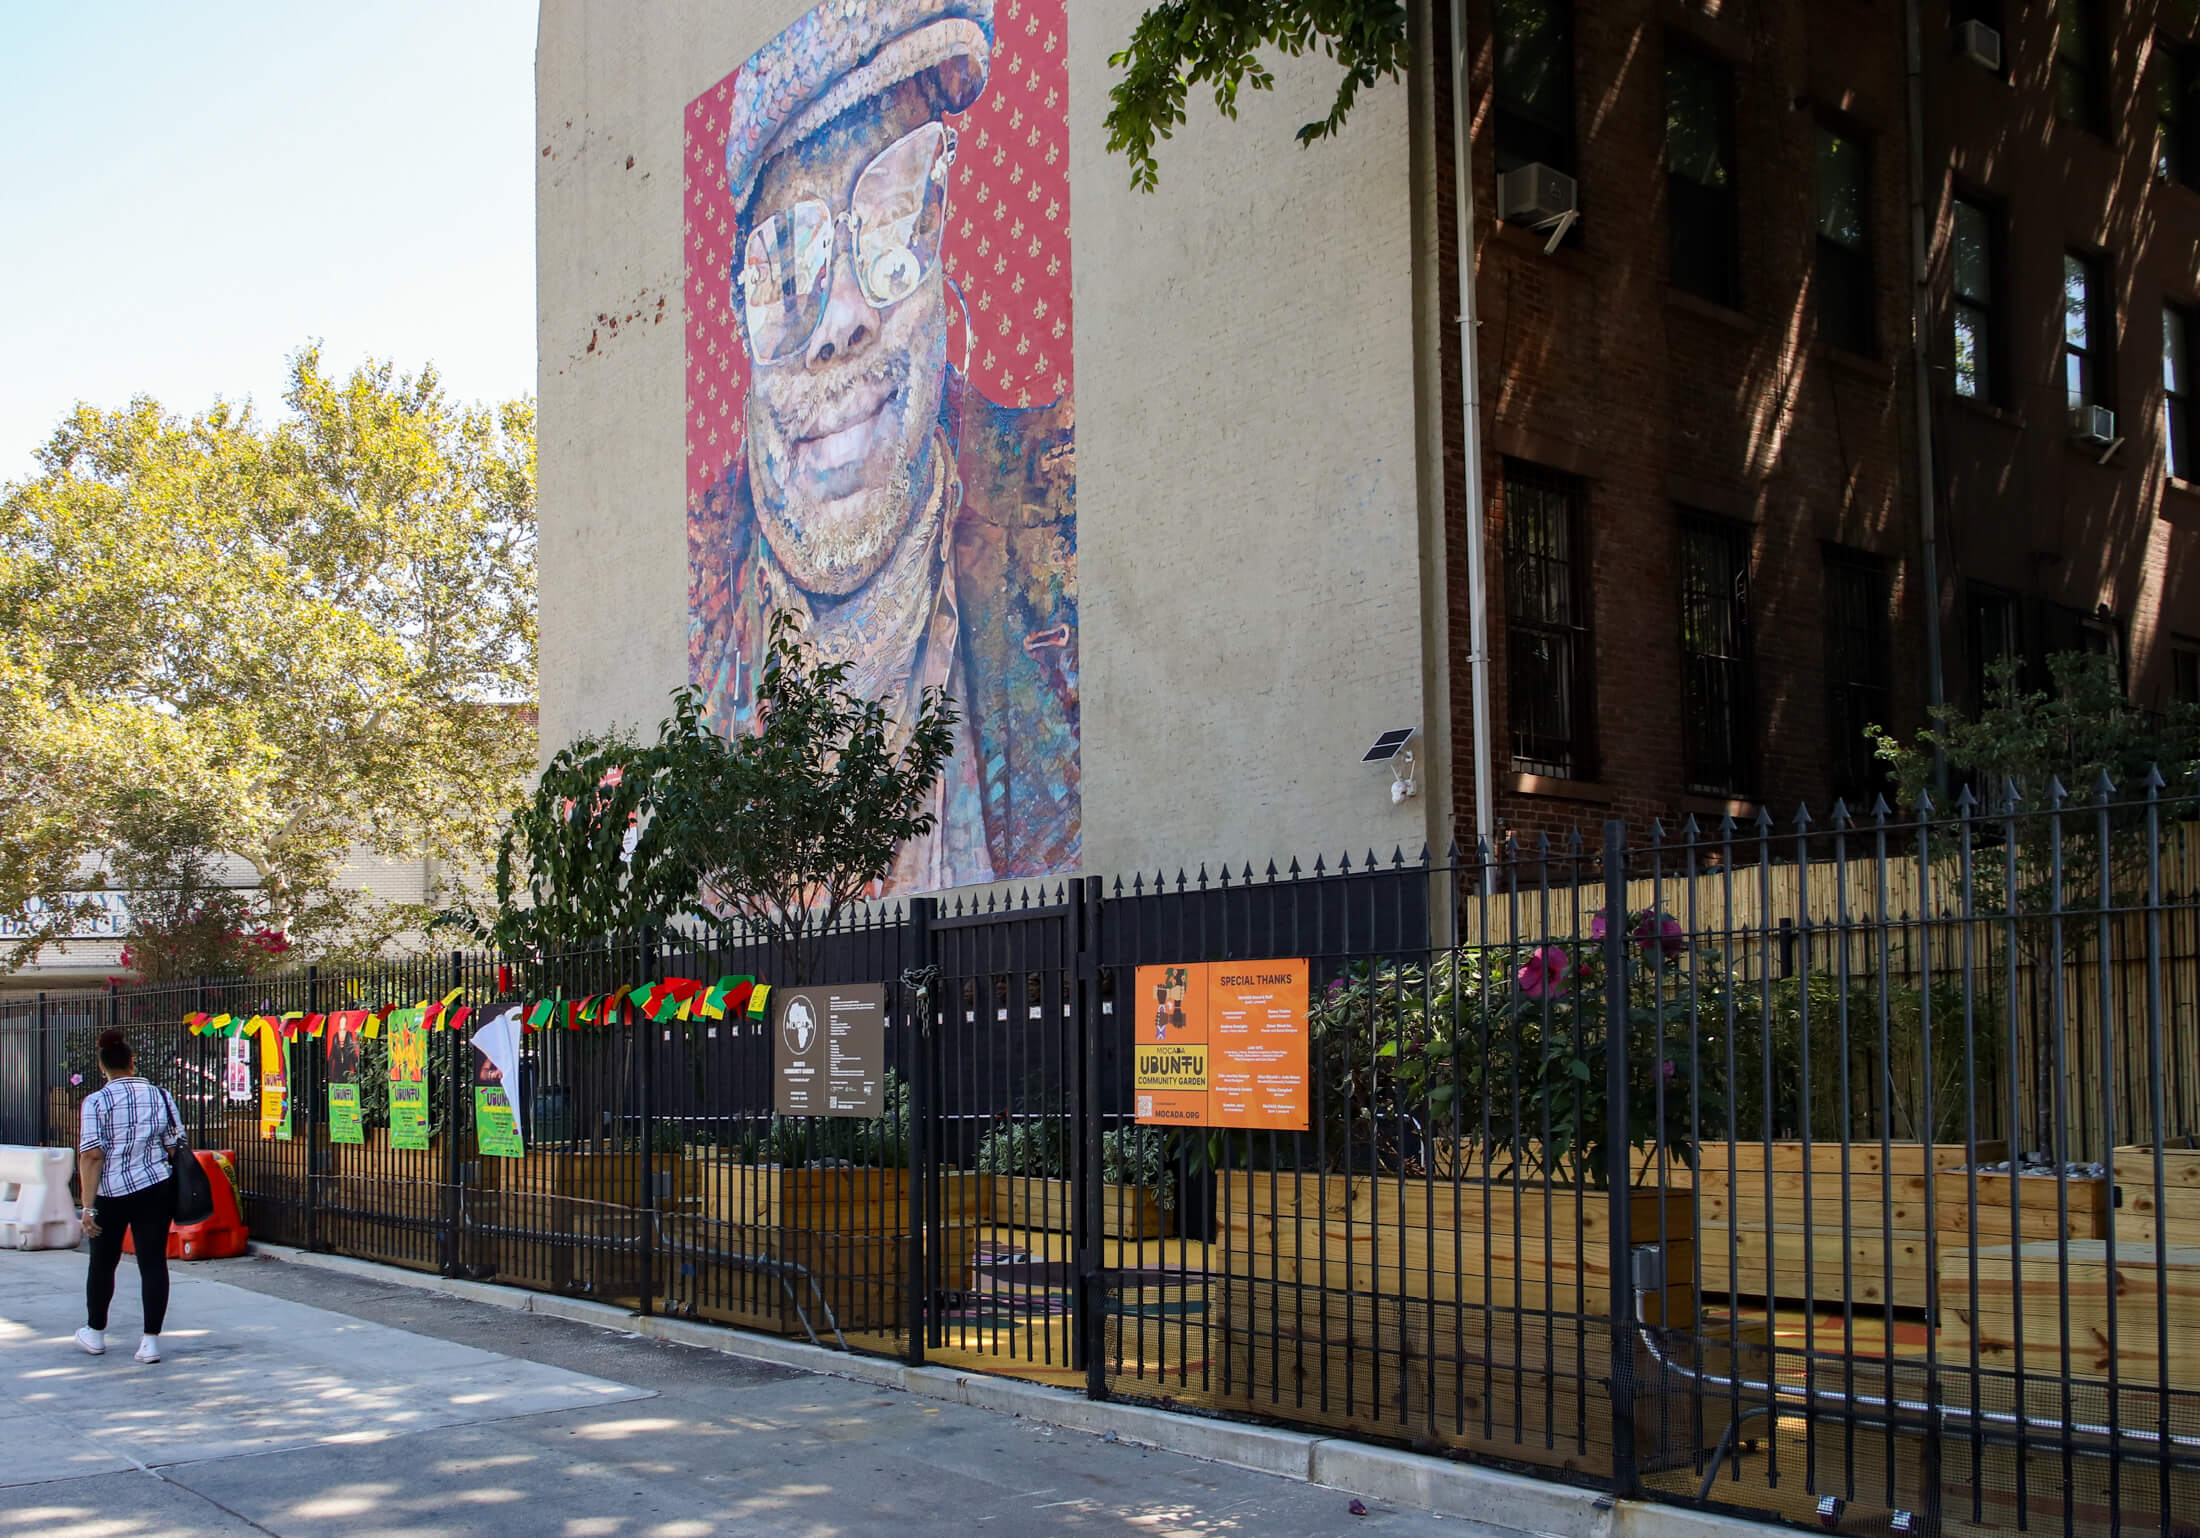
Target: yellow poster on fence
{"points": [[274, 1080]]}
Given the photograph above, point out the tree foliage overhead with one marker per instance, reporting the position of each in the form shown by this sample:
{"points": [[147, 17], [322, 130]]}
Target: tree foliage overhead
{"points": [[298, 639], [1219, 43]]}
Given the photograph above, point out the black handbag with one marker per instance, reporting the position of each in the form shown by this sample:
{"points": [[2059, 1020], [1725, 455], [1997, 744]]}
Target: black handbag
{"points": [[194, 1193]]}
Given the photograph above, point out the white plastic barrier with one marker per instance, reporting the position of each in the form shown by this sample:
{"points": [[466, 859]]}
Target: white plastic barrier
{"points": [[35, 1210]]}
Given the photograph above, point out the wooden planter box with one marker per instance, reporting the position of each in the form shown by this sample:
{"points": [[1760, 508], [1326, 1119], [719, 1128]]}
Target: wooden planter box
{"points": [[1126, 1212], [1790, 1246], [849, 1229], [1529, 1245], [2032, 1287], [1475, 1314], [2174, 1214]]}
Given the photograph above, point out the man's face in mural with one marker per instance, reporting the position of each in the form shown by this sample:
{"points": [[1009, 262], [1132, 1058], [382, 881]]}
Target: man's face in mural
{"points": [[848, 354]]}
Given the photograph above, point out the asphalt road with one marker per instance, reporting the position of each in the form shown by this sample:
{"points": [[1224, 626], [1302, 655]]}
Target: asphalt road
{"points": [[298, 1403]]}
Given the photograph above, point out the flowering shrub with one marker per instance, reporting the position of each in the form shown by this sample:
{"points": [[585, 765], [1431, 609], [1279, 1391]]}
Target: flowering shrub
{"points": [[1502, 1050]]}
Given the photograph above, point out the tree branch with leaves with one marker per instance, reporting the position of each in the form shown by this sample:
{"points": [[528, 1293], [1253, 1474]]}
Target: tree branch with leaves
{"points": [[1219, 44]]}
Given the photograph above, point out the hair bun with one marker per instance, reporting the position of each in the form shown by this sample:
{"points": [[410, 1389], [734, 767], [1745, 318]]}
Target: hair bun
{"points": [[111, 1037]]}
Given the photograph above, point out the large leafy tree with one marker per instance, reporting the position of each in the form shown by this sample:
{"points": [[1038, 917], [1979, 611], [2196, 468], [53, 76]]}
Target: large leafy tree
{"points": [[298, 639], [1218, 45]]}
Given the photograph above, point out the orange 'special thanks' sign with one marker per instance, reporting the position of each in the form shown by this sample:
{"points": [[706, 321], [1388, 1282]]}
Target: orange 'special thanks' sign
{"points": [[1222, 1044]]}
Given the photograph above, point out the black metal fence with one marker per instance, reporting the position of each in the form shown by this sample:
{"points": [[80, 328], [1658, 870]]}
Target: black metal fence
{"points": [[1844, 1170]]}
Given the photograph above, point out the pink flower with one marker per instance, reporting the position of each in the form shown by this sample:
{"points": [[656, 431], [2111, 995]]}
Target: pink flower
{"points": [[1596, 925], [1666, 1070], [1656, 931], [1545, 972], [75, 1079]]}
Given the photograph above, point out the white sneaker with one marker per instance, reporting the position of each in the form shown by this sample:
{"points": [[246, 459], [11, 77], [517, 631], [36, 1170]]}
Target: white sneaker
{"points": [[149, 1349], [92, 1342]]}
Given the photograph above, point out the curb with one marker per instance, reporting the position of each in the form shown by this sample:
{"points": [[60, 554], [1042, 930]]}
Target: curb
{"points": [[1490, 1497]]}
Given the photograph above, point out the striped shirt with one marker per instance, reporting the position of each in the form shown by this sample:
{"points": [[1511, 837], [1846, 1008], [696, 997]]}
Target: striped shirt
{"points": [[134, 1124]]}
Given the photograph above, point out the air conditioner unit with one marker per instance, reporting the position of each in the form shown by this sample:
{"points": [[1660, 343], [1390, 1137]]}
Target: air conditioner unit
{"points": [[1535, 195], [1980, 44], [2093, 424]]}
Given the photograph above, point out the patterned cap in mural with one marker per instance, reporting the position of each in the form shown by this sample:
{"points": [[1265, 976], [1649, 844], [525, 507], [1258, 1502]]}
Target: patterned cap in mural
{"points": [[845, 52]]}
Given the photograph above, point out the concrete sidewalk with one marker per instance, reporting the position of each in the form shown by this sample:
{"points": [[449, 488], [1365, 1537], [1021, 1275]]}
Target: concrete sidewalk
{"points": [[305, 1403]]}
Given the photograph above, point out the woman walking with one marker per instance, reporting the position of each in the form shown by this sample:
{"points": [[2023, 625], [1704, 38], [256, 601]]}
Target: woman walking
{"points": [[123, 1164]]}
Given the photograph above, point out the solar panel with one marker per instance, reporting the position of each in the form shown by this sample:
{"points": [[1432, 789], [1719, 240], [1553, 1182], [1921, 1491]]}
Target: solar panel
{"points": [[1388, 745]]}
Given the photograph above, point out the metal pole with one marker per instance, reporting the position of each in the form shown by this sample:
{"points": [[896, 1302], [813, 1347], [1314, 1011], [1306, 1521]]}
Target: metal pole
{"points": [[1470, 381], [454, 1169], [1921, 379], [649, 1040], [315, 1124], [59, 1133], [1090, 1239], [1625, 1479], [917, 1037]]}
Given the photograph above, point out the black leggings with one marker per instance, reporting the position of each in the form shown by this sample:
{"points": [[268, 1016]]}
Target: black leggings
{"points": [[145, 1215]]}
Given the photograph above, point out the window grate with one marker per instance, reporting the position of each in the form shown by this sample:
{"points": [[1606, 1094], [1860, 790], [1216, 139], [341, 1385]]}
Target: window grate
{"points": [[1549, 661], [1857, 671], [1717, 685]]}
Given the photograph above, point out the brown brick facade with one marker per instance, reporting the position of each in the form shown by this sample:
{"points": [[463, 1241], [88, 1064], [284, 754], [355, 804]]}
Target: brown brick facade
{"points": [[1662, 405]]}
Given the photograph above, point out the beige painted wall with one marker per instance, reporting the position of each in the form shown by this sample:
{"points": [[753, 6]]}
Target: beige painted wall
{"points": [[1249, 542]]}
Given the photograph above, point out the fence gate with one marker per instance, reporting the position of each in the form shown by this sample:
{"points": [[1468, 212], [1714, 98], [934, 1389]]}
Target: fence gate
{"points": [[1001, 1078]]}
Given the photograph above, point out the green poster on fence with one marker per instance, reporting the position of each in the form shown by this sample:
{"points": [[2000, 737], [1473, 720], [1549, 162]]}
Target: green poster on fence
{"points": [[283, 1127], [344, 1056], [496, 1130], [343, 1114], [408, 1081]]}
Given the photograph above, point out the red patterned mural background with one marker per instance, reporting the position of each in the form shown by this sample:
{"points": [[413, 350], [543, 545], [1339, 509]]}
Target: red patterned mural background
{"points": [[1007, 245]]}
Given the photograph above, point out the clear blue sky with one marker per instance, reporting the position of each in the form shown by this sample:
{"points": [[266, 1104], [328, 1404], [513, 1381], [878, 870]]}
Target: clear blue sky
{"points": [[194, 190]]}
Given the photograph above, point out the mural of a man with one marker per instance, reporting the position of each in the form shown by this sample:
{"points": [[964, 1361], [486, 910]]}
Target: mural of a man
{"points": [[924, 530]]}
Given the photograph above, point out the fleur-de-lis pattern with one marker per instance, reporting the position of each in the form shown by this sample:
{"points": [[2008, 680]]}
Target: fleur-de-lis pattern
{"points": [[1007, 248]]}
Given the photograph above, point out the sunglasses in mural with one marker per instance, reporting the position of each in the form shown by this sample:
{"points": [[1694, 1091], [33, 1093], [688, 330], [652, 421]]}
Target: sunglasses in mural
{"points": [[894, 221]]}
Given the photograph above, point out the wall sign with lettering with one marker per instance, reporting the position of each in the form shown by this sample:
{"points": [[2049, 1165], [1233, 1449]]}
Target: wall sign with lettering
{"points": [[829, 1050], [1222, 1044]]}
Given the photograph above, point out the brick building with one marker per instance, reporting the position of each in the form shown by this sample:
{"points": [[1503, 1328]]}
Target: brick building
{"points": [[1706, 519], [1198, 473]]}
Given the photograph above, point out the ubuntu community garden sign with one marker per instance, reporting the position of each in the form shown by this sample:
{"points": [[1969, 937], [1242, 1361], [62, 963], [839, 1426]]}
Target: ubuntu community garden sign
{"points": [[1222, 1044]]}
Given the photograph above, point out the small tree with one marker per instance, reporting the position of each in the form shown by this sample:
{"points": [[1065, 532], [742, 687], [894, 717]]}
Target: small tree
{"points": [[586, 857], [791, 826], [184, 922], [2078, 746]]}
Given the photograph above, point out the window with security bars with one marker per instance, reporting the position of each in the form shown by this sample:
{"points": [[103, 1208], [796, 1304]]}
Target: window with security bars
{"points": [[1534, 80], [1701, 200], [1857, 671], [1717, 686], [1550, 695]]}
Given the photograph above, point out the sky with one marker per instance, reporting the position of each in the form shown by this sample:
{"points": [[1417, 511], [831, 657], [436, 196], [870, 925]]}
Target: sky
{"points": [[194, 191]]}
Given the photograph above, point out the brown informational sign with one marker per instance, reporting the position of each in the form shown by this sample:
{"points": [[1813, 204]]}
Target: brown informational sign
{"points": [[1171, 1045], [829, 1050], [1222, 1044]]}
